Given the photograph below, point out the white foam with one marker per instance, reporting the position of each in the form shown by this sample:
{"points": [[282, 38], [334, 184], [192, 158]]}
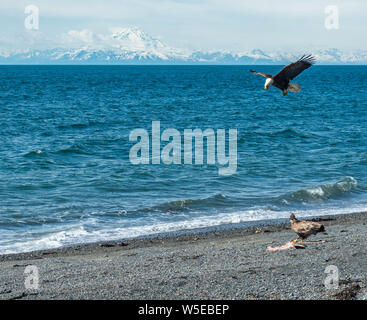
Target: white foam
{"points": [[53, 240], [316, 191]]}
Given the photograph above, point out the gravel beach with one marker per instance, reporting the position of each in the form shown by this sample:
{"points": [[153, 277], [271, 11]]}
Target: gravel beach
{"points": [[220, 264]]}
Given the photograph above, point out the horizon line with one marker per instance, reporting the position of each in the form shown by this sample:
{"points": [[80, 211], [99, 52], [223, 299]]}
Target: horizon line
{"points": [[183, 65]]}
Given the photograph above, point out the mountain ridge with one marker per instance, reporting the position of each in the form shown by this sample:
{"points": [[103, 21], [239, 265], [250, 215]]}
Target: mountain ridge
{"points": [[130, 45]]}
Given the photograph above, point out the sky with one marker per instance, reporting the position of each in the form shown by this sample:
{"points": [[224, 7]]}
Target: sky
{"points": [[232, 25]]}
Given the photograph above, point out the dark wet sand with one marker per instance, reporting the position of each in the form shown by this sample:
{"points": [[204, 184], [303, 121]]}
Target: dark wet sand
{"points": [[226, 264]]}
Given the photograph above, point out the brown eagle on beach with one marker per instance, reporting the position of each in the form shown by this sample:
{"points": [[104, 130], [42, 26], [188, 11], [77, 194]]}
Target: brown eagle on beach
{"points": [[289, 72], [305, 228]]}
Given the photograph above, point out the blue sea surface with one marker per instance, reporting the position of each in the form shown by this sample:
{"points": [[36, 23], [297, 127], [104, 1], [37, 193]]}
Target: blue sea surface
{"points": [[66, 177]]}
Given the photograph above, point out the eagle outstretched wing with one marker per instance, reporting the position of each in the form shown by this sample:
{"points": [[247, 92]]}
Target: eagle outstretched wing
{"points": [[292, 70], [261, 74]]}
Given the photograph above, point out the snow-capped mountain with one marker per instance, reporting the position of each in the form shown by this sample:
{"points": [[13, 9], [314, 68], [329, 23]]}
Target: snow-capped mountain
{"points": [[132, 43], [133, 46]]}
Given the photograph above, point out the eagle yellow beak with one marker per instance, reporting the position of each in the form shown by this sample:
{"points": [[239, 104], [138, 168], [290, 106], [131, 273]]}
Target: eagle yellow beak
{"points": [[266, 88]]}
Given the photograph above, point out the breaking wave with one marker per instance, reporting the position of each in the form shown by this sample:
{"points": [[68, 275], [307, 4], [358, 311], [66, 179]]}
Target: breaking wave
{"points": [[324, 192], [218, 200]]}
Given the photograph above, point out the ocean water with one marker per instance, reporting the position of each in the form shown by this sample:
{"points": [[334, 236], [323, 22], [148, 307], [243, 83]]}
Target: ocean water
{"points": [[66, 177]]}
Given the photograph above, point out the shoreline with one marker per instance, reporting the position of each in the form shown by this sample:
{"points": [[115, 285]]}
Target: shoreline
{"points": [[231, 263], [227, 230]]}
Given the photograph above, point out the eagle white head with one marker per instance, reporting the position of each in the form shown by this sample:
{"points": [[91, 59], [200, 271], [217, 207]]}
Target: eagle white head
{"points": [[268, 83]]}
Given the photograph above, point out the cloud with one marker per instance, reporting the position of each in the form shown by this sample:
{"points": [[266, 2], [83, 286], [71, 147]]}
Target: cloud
{"points": [[84, 36], [197, 24], [122, 9]]}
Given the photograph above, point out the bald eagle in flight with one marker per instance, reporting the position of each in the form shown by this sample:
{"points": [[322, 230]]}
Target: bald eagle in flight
{"points": [[289, 72]]}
